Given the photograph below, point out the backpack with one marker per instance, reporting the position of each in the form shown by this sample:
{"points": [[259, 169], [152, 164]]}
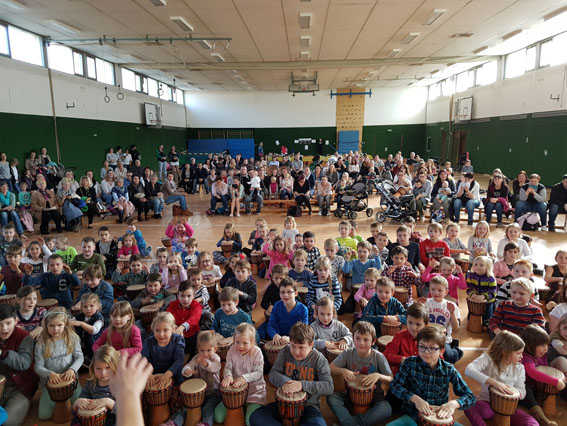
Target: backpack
{"points": [[529, 221], [294, 211]]}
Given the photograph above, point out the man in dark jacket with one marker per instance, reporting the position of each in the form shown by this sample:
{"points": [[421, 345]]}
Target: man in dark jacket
{"points": [[557, 202]]}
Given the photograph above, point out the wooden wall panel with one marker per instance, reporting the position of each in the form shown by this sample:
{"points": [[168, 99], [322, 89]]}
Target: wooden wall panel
{"points": [[350, 113]]}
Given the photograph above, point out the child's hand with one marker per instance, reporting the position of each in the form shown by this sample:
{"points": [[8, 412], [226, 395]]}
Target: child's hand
{"points": [[390, 319], [227, 381], [131, 377], [67, 269], [289, 388], [422, 300], [349, 254], [392, 269], [120, 266], [501, 387], [451, 308], [330, 345], [349, 376], [68, 375], [203, 360], [342, 344], [25, 241], [26, 268], [179, 330], [162, 381], [40, 240], [560, 385], [421, 268], [81, 404], [54, 378], [433, 263], [458, 269], [370, 379], [240, 381], [421, 405], [446, 410], [550, 305], [77, 306], [187, 371], [412, 274], [363, 302], [36, 332]]}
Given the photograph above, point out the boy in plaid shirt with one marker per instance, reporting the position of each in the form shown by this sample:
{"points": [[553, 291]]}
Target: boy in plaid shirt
{"points": [[423, 381], [312, 251], [402, 275]]}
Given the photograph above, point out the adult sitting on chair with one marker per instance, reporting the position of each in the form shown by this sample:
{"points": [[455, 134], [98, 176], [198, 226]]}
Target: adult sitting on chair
{"points": [[171, 195], [468, 196], [8, 208], [219, 193], [496, 199], [324, 193], [301, 192], [44, 206], [532, 198], [557, 201]]}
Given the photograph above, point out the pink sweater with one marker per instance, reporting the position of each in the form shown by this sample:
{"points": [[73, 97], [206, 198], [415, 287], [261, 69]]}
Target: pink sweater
{"points": [[116, 340], [169, 282], [170, 232], [251, 368], [276, 258], [501, 270], [532, 374], [365, 292], [455, 282]]}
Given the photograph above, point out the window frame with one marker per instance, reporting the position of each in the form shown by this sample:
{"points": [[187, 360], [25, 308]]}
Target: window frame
{"points": [[87, 74], [9, 54]]}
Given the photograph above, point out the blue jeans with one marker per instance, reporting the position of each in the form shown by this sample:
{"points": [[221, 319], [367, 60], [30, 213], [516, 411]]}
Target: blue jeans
{"points": [[196, 183], [162, 170], [286, 195], [223, 199], [408, 421], [5, 217], [254, 196], [490, 207], [554, 210], [180, 198], [452, 355], [145, 251], [339, 403], [107, 198], [269, 416], [470, 205], [158, 205], [539, 208]]}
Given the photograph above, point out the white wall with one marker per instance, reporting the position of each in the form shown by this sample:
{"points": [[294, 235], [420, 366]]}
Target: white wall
{"points": [[526, 94], [279, 109], [24, 89]]}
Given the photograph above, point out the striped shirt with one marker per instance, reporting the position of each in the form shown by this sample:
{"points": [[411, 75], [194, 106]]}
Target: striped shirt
{"points": [[317, 290], [509, 316], [481, 284]]}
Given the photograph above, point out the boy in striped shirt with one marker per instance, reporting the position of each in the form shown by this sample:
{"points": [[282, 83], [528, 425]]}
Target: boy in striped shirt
{"points": [[516, 314]]}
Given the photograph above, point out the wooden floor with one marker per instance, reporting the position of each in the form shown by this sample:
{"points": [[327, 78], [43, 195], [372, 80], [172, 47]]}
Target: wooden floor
{"points": [[208, 230]]}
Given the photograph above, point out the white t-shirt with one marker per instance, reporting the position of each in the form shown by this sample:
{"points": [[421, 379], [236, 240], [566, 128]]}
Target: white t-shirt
{"points": [[439, 314], [559, 310]]}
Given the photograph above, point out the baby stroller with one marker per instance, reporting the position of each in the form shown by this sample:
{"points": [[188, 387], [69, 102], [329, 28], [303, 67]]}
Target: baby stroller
{"points": [[393, 207], [354, 199]]}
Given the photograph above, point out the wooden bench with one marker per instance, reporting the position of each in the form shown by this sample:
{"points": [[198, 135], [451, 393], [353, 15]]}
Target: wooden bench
{"points": [[288, 203]]}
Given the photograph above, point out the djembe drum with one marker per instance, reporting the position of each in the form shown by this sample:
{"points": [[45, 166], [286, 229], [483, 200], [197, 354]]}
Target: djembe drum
{"points": [[302, 294], [166, 241], [401, 293], [360, 396], [547, 392], [332, 354], [134, 290], [61, 394], [383, 342], [503, 405], [226, 247], [126, 261], [48, 303], [234, 399], [158, 401], [213, 299], [256, 259], [8, 299], [93, 417], [75, 310], [476, 311], [464, 263], [390, 329], [433, 420], [147, 314], [193, 397], [291, 407], [272, 350], [223, 346]]}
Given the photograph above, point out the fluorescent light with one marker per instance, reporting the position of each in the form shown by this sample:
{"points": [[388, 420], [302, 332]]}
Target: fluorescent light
{"points": [[462, 35], [305, 20], [13, 4], [305, 56], [394, 52], [217, 57], [159, 2], [552, 14], [480, 49], [434, 16], [512, 34], [181, 23], [204, 44], [58, 25], [409, 38], [305, 41]]}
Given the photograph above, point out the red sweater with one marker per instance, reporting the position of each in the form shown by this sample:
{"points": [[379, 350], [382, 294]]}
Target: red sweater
{"points": [[12, 279], [428, 249], [190, 316], [25, 381], [402, 346]]}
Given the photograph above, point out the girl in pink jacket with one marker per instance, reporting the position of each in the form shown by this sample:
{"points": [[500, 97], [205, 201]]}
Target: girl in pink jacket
{"points": [[179, 231], [279, 252]]}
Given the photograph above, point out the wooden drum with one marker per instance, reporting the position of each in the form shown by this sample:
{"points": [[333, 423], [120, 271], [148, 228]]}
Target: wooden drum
{"points": [[226, 247], [148, 313], [48, 303], [213, 299], [193, 396], [401, 293], [158, 400], [503, 405], [547, 392], [75, 311], [8, 299], [61, 394], [255, 260], [302, 294], [234, 399], [433, 420], [390, 329], [223, 345], [272, 350], [166, 241], [464, 263], [361, 396], [383, 342], [134, 290], [476, 311], [96, 417], [332, 354], [291, 407]]}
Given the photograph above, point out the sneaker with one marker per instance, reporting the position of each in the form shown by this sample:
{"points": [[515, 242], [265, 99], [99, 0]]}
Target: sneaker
{"points": [[500, 225], [320, 214], [258, 213], [238, 215], [230, 215]]}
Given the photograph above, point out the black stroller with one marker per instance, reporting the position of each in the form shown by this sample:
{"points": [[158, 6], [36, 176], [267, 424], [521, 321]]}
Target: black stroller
{"points": [[352, 200], [393, 207]]}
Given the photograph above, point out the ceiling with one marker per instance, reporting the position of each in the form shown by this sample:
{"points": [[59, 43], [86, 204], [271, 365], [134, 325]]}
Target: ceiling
{"points": [[348, 39]]}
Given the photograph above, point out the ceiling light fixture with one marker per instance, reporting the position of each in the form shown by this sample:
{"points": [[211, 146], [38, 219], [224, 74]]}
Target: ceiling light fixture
{"points": [[305, 56], [434, 16], [60, 26], [159, 2], [512, 34], [305, 41], [480, 49], [409, 38], [552, 14], [462, 35], [394, 53], [217, 57], [305, 20], [181, 23], [13, 4], [204, 44]]}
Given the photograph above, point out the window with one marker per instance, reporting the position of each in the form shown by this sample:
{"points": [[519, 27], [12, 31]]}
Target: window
{"points": [[179, 96], [78, 62], [447, 87], [91, 67], [152, 87], [104, 71], [465, 80], [531, 56], [129, 79], [515, 64], [487, 73], [553, 51], [4, 46], [60, 58], [25, 46], [165, 92], [434, 91]]}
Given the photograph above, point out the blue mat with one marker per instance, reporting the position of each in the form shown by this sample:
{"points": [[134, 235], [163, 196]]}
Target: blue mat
{"points": [[200, 148], [348, 141]]}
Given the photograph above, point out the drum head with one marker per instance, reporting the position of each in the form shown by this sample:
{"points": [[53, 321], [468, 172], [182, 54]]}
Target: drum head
{"points": [[515, 394], [335, 351], [91, 413], [436, 420], [297, 396], [270, 346], [357, 383], [47, 302], [226, 341], [384, 340], [400, 290], [136, 287], [550, 371], [149, 308], [60, 384], [193, 386], [302, 290], [235, 390], [154, 388]]}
